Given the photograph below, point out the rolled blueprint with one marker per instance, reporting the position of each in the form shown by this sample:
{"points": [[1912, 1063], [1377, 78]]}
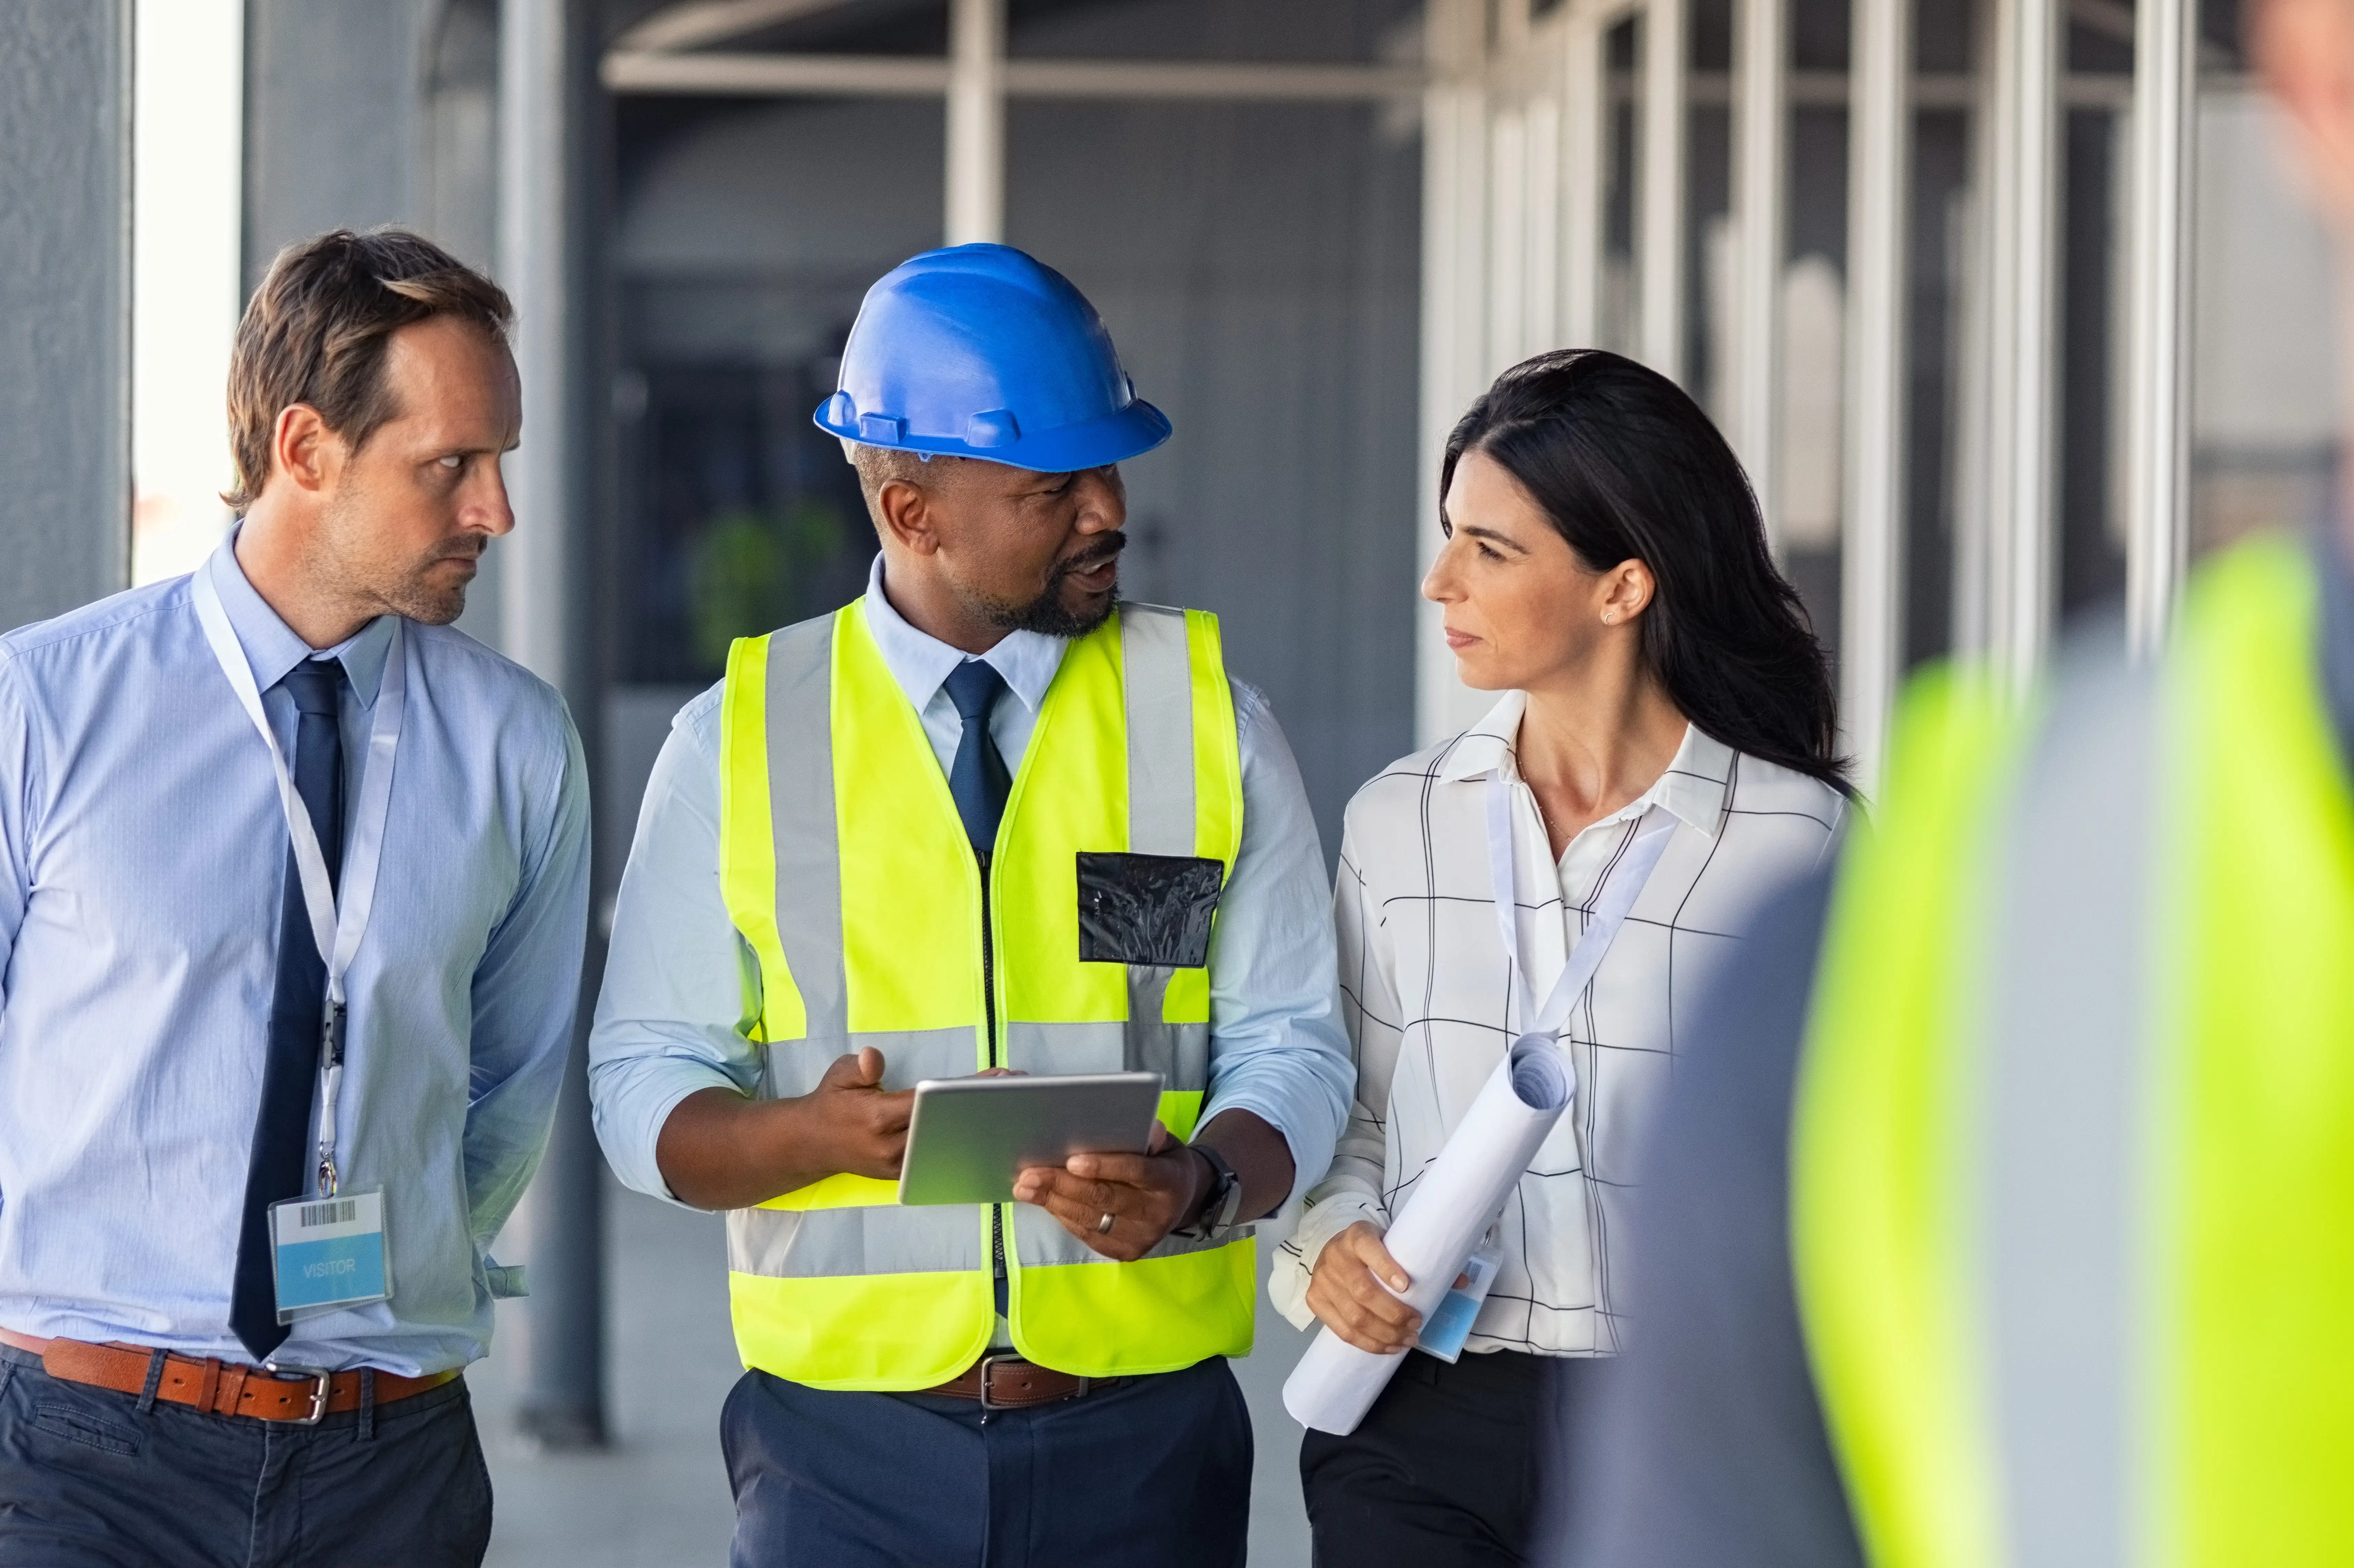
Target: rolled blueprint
{"points": [[1458, 1196]]}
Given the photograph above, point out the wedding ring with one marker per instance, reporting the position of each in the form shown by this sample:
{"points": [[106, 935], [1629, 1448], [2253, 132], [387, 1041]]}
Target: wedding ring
{"points": [[1103, 1226]]}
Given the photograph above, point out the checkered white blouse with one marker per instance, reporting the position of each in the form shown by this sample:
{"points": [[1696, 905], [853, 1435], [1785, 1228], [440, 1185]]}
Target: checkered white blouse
{"points": [[1426, 996]]}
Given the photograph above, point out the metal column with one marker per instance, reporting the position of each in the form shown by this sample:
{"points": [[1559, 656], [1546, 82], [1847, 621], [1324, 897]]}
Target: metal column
{"points": [[65, 304], [1507, 288], [2157, 481], [976, 121], [550, 134], [1760, 202], [1584, 107], [2024, 299], [1659, 253], [1524, 139], [1541, 230], [1453, 308], [1871, 576]]}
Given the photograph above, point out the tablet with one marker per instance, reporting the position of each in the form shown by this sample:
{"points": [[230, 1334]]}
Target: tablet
{"points": [[969, 1138]]}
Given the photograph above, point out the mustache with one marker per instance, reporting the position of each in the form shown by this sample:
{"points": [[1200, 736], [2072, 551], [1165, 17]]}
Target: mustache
{"points": [[1106, 548]]}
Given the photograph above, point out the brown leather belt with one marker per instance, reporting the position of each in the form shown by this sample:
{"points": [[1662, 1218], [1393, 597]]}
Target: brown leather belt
{"points": [[1006, 1381], [222, 1388]]}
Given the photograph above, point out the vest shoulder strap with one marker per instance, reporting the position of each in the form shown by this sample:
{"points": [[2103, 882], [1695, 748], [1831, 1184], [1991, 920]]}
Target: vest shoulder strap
{"points": [[779, 684], [1183, 749]]}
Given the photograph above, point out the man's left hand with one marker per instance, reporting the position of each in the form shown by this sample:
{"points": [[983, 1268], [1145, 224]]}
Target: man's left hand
{"points": [[1146, 1195]]}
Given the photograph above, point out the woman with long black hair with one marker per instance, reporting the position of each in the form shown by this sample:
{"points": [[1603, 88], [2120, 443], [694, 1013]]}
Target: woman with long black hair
{"points": [[1663, 754]]}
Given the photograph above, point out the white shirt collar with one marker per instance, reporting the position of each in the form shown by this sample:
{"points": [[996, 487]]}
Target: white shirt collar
{"points": [[271, 647], [922, 664], [1693, 787]]}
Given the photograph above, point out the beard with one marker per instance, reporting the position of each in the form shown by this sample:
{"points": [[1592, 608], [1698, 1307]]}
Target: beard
{"points": [[422, 589], [1047, 614], [427, 593]]}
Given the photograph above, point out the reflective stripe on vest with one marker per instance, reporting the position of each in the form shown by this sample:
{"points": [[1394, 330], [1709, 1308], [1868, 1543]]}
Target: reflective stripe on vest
{"points": [[846, 871], [2073, 1145]]}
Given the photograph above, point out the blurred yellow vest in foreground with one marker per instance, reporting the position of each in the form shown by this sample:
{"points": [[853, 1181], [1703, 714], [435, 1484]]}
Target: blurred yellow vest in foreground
{"points": [[2072, 1179]]}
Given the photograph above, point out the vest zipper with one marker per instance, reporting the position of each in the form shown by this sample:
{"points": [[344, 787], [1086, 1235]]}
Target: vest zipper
{"points": [[987, 965], [989, 1017]]}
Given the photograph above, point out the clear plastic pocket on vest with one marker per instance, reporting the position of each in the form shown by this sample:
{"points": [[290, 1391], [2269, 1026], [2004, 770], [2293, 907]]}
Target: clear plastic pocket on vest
{"points": [[1147, 909]]}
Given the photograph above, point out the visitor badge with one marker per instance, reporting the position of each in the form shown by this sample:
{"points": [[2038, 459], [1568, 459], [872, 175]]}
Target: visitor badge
{"points": [[329, 1252], [1450, 1323]]}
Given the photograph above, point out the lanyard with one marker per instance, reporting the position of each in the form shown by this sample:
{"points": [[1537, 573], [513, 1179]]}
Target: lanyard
{"points": [[1617, 895], [336, 928]]}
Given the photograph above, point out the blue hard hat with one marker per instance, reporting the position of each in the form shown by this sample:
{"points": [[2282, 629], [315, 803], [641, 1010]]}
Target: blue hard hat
{"points": [[980, 351]]}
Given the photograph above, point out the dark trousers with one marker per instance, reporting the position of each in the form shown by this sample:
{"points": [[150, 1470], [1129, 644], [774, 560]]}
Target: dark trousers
{"points": [[88, 1480], [1155, 1473], [1449, 1467]]}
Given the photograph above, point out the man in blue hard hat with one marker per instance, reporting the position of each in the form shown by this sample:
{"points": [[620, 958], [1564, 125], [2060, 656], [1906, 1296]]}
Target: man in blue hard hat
{"points": [[985, 819]]}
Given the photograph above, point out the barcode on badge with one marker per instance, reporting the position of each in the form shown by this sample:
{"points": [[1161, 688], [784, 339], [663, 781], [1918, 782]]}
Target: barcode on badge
{"points": [[337, 1211]]}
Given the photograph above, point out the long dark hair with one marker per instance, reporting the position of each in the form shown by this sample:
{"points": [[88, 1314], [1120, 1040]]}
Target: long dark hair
{"points": [[1625, 466]]}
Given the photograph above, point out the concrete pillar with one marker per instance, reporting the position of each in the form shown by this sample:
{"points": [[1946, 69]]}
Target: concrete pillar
{"points": [[552, 136], [362, 112], [333, 132], [65, 304]]}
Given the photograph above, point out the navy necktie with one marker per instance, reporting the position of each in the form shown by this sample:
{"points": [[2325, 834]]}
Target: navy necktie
{"points": [[279, 1167], [977, 779]]}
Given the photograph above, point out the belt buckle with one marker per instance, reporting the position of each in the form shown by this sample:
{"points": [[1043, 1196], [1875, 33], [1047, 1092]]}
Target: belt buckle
{"points": [[989, 1365], [323, 1383]]}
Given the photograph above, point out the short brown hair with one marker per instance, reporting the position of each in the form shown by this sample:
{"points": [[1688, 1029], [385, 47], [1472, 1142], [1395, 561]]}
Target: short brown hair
{"points": [[315, 332]]}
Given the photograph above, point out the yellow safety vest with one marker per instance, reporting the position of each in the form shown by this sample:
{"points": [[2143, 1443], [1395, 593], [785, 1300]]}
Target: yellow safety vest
{"points": [[2073, 1162], [847, 871]]}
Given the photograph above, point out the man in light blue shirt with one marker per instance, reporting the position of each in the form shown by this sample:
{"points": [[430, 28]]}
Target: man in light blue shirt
{"points": [[987, 414], [171, 1022]]}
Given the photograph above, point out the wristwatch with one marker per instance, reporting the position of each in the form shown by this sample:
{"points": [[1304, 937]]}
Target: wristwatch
{"points": [[1215, 1217]]}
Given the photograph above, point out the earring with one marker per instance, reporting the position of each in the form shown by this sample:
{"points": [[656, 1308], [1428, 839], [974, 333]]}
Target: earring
{"points": [[1610, 618]]}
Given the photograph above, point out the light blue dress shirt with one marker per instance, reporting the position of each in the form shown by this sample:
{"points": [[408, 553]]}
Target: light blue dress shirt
{"points": [[143, 854], [676, 973]]}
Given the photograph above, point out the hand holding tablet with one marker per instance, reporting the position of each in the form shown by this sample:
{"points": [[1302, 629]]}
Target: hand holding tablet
{"points": [[970, 1139]]}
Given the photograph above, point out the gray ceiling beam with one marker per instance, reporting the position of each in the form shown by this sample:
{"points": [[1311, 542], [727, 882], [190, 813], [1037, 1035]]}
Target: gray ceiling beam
{"points": [[700, 22], [722, 74]]}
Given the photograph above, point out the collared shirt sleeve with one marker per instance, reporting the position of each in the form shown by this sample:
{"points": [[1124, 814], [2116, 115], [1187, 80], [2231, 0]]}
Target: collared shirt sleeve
{"points": [[1276, 1044], [528, 995], [17, 787], [670, 1021], [1351, 1190]]}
